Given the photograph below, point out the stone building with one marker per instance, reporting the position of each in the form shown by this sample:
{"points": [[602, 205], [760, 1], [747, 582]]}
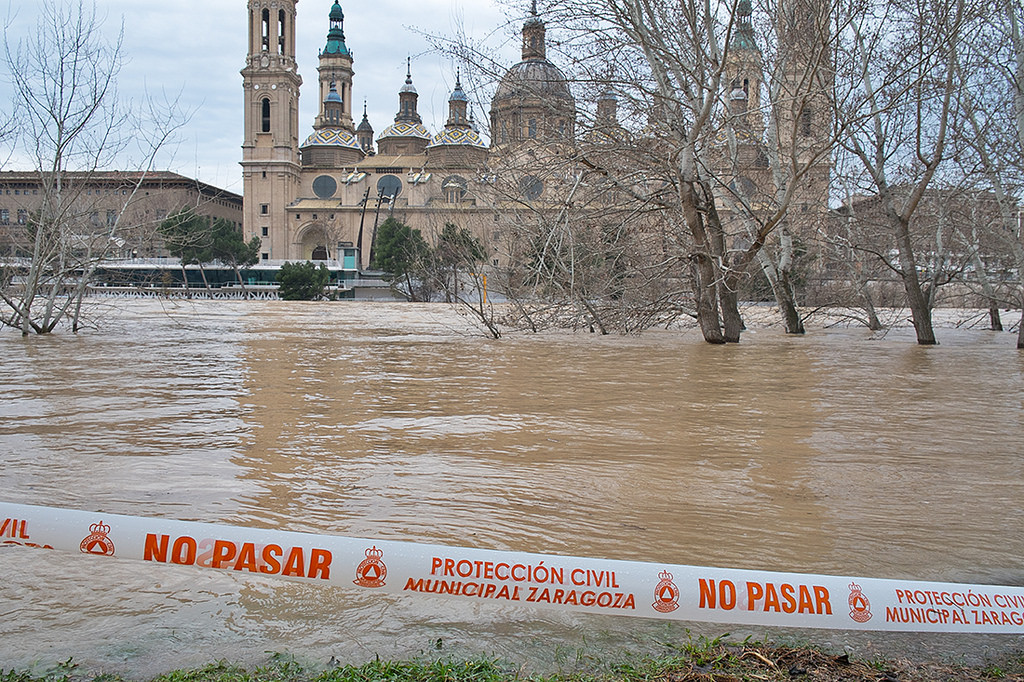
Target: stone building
{"points": [[320, 197], [137, 202]]}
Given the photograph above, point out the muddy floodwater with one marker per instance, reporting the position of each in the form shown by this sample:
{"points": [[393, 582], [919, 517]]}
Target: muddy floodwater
{"points": [[832, 453]]}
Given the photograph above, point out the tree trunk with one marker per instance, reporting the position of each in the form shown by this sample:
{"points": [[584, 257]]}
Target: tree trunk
{"points": [[917, 300], [703, 276], [994, 321], [202, 273], [782, 289], [702, 267], [241, 283], [732, 320], [874, 324], [594, 316]]}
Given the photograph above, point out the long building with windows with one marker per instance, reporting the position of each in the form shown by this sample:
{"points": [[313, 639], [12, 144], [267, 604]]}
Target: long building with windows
{"points": [[137, 202]]}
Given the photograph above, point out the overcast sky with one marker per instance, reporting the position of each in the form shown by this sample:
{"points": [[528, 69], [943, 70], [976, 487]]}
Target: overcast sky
{"points": [[198, 47]]}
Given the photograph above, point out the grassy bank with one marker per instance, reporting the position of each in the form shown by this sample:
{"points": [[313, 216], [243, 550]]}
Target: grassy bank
{"points": [[704, 662]]}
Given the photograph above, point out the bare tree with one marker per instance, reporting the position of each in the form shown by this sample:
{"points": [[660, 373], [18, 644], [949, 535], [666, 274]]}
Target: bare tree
{"points": [[899, 90], [710, 155], [993, 106], [71, 124]]}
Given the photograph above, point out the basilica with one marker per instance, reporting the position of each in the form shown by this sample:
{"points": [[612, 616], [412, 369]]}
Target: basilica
{"points": [[321, 195]]}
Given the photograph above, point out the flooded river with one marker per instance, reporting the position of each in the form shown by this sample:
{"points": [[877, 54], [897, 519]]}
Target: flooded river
{"points": [[833, 453]]}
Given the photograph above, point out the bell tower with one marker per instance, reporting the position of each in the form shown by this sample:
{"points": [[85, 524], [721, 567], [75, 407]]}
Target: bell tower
{"points": [[335, 71], [804, 96], [270, 150]]}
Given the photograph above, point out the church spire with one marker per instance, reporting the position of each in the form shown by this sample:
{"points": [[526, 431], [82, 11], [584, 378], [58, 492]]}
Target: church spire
{"points": [[365, 132], [458, 105], [336, 34], [534, 36], [743, 33], [408, 99]]}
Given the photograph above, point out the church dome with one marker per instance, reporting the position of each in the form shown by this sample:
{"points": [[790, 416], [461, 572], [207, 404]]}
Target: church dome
{"points": [[533, 78], [405, 129], [457, 137], [332, 137]]}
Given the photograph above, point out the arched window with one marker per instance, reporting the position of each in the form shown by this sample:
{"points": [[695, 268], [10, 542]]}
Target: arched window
{"points": [[265, 30], [532, 128], [281, 32], [265, 115], [454, 189]]}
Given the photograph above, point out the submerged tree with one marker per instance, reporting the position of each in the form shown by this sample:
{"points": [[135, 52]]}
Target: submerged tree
{"points": [[187, 236], [457, 266], [899, 86], [709, 157], [200, 240], [302, 281], [402, 254], [70, 120], [993, 105]]}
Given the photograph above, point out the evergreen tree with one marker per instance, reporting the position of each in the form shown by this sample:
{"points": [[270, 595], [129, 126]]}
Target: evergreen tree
{"points": [[302, 281], [402, 253]]}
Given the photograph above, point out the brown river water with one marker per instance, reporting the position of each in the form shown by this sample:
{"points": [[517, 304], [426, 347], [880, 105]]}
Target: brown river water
{"points": [[832, 453]]}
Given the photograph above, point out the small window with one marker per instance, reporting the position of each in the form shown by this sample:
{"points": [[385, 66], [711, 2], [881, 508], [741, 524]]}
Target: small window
{"points": [[281, 32], [532, 128], [264, 209], [806, 121], [5, 216], [111, 218], [266, 30], [264, 256], [265, 115], [266, 231], [22, 216]]}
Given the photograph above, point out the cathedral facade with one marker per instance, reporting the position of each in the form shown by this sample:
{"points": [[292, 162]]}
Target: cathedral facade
{"points": [[321, 195]]}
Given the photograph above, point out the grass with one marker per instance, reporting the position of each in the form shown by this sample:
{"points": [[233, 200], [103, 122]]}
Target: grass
{"points": [[701, 660]]}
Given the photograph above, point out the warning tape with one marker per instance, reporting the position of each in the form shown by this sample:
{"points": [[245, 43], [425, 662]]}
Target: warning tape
{"points": [[627, 588]]}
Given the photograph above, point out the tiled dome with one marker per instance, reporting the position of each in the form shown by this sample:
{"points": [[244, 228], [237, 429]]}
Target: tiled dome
{"points": [[458, 136], [405, 129], [332, 137]]}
